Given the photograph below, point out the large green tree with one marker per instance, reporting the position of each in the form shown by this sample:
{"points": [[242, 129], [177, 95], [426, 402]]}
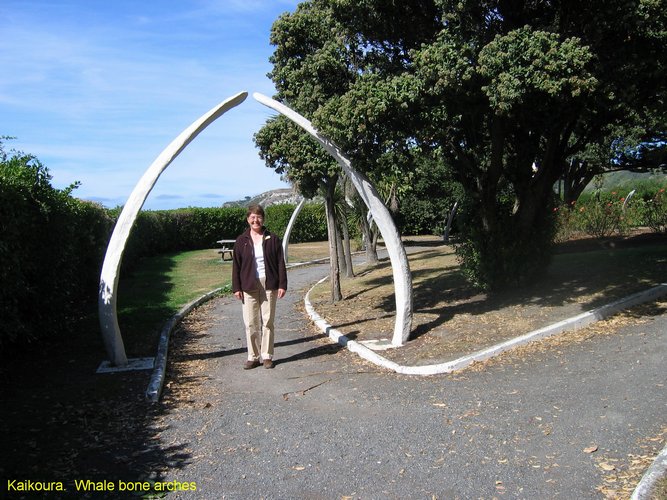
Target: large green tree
{"points": [[312, 63], [511, 93], [513, 89]]}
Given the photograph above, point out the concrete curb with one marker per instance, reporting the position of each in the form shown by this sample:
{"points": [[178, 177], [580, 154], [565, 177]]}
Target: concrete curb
{"points": [[573, 323], [156, 382], [657, 469]]}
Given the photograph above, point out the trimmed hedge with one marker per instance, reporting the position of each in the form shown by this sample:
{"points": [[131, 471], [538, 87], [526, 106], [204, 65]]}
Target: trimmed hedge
{"points": [[167, 231], [51, 248]]}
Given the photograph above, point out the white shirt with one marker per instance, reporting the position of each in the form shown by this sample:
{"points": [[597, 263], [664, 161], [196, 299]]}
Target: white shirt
{"points": [[259, 260]]}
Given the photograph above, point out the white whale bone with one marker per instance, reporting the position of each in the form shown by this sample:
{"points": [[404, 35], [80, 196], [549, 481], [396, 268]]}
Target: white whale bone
{"points": [[107, 296], [290, 225]]}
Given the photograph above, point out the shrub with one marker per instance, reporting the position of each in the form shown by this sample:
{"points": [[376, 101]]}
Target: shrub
{"points": [[423, 215], [599, 217], [278, 217], [567, 224], [51, 246], [200, 228], [424, 208], [310, 224], [501, 258], [656, 212]]}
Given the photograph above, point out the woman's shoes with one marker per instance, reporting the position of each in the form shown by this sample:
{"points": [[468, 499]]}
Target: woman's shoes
{"points": [[250, 364]]}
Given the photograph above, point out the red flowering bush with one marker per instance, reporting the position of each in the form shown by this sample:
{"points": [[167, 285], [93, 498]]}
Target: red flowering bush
{"points": [[566, 223], [606, 214]]}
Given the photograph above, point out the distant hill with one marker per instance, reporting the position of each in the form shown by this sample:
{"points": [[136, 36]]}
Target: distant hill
{"points": [[625, 180], [273, 197]]}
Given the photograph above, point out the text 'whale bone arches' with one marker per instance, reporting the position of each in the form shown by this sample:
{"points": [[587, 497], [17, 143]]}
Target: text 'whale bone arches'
{"points": [[399, 260], [107, 296]]}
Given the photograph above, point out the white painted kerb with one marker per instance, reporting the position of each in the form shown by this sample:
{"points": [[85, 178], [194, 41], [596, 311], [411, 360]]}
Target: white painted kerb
{"points": [[648, 481]]}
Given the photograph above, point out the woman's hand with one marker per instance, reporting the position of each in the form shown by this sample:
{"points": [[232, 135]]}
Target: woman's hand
{"points": [[239, 295], [281, 293]]}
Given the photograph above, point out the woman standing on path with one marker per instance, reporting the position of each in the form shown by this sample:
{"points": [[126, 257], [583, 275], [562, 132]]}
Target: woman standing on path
{"points": [[259, 278]]}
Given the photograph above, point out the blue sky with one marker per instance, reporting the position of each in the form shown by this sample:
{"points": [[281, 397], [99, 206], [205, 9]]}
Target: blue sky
{"points": [[97, 89]]}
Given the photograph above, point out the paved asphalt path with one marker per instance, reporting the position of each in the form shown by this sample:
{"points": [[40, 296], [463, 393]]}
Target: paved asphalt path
{"points": [[326, 425]]}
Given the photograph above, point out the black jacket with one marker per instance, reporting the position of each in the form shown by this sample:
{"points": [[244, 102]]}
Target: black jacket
{"points": [[244, 272]]}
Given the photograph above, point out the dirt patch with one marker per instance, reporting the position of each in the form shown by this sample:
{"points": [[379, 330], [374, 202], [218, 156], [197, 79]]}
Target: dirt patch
{"points": [[451, 319]]}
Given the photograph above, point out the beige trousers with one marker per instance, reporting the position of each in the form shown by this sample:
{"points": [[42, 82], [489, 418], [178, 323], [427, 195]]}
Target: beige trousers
{"points": [[259, 310]]}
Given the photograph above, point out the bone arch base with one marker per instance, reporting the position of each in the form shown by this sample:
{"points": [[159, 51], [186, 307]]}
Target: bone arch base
{"points": [[108, 289]]}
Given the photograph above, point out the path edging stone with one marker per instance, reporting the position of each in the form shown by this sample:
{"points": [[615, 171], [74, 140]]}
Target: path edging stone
{"points": [[156, 382]]}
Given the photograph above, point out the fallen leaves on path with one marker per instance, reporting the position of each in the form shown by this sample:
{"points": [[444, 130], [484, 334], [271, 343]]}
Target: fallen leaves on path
{"points": [[621, 475]]}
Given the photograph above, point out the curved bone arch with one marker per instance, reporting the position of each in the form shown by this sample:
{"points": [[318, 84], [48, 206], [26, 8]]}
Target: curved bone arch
{"points": [[290, 225], [107, 298], [399, 260]]}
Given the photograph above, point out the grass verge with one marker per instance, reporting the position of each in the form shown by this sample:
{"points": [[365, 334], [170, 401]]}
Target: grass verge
{"points": [[452, 319], [159, 288]]}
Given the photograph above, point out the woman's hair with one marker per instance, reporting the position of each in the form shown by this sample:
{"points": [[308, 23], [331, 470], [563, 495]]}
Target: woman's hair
{"points": [[255, 209]]}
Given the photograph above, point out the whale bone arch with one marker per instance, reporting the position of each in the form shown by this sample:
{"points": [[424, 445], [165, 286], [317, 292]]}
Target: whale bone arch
{"points": [[107, 296], [397, 255], [108, 287]]}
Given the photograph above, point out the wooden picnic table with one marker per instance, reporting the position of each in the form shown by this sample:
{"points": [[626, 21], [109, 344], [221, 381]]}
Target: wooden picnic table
{"points": [[226, 248]]}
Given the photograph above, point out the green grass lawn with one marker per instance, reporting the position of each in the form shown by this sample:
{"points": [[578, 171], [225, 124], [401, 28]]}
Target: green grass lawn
{"points": [[162, 285]]}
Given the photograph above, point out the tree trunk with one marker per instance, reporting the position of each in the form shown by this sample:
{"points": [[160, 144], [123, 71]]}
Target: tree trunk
{"points": [[342, 262], [334, 270], [371, 251], [347, 250], [374, 242], [576, 176]]}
